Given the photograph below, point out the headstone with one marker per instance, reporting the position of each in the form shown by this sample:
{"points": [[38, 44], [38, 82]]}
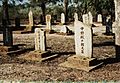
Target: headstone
{"points": [[83, 59], [64, 29], [85, 18], [76, 17], [40, 40], [109, 25], [30, 18], [48, 22], [90, 17], [99, 18], [83, 40], [62, 18]]}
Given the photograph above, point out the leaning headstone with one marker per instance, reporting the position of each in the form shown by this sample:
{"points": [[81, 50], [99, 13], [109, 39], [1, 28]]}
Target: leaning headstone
{"points": [[90, 17], [76, 16], [40, 40], [83, 59], [48, 22], [30, 18], [85, 18], [62, 18], [99, 18]]}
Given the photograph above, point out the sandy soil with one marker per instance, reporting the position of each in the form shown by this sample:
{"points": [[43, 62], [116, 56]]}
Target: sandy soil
{"points": [[12, 68]]}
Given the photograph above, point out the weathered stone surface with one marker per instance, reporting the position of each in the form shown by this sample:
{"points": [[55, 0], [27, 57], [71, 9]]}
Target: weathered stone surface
{"points": [[90, 17], [78, 60], [83, 39], [62, 18], [40, 40], [48, 22], [85, 18], [76, 16], [30, 15], [99, 18]]}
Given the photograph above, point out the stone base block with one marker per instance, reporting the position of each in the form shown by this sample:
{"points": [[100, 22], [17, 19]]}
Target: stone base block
{"points": [[7, 50], [37, 56], [82, 63]]}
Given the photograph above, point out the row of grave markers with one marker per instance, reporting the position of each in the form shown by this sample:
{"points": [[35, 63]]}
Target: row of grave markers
{"points": [[83, 46], [87, 18]]}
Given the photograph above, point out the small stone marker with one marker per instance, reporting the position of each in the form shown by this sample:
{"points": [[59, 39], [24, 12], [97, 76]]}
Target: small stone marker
{"points": [[85, 18], [62, 18], [90, 18], [83, 59], [99, 18], [40, 40], [30, 18], [64, 29], [76, 17], [48, 22]]}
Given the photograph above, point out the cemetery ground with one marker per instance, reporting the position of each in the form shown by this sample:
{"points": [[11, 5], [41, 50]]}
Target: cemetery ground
{"points": [[12, 68]]}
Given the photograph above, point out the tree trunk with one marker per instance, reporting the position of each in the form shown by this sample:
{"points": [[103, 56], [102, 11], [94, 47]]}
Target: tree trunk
{"points": [[43, 7], [5, 12], [7, 32], [66, 10]]}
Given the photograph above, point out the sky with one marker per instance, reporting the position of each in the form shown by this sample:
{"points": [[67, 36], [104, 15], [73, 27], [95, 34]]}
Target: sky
{"points": [[16, 3]]}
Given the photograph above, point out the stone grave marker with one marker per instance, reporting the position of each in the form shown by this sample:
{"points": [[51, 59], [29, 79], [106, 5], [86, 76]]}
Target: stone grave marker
{"points": [[62, 18], [30, 15], [48, 22], [83, 59], [40, 53], [83, 34], [99, 18], [90, 17], [85, 18], [76, 16], [40, 40]]}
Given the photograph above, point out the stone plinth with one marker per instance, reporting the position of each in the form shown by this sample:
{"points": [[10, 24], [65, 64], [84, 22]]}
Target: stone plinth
{"points": [[82, 63], [8, 50], [38, 56]]}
